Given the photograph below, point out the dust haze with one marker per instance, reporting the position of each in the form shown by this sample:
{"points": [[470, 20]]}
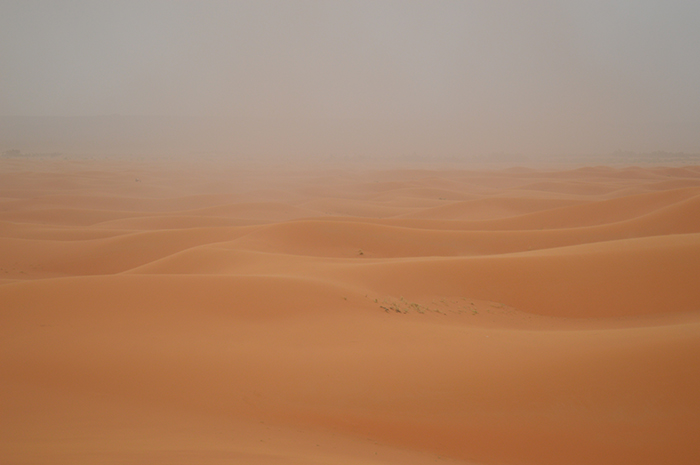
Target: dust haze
{"points": [[350, 78], [349, 232]]}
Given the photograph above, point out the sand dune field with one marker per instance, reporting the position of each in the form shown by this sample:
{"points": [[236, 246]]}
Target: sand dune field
{"points": [[173, 313]]}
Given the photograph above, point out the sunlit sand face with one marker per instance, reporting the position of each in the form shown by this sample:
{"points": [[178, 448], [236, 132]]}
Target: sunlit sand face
{"points": [[159, 312]]}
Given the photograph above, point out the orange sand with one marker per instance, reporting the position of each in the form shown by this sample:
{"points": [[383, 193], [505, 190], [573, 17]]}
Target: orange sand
{"points": [[166, 313]]}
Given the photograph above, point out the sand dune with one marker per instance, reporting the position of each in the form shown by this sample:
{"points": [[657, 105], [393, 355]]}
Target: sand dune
{"points": [[169, 221], [489, 208], [348, 316]]}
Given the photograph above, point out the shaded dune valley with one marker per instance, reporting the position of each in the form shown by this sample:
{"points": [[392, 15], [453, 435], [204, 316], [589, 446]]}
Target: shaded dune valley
{"points": [[174, 313]]}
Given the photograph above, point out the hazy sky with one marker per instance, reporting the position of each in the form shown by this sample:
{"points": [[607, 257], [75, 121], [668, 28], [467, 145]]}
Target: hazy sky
{"points": [[518, 75]]}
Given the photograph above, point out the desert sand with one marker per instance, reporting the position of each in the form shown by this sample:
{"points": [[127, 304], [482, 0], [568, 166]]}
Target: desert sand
{"points": [[163, 312]]}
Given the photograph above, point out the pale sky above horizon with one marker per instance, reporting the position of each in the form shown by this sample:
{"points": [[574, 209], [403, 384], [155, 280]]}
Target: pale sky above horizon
{"points": [[610, 74]]}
